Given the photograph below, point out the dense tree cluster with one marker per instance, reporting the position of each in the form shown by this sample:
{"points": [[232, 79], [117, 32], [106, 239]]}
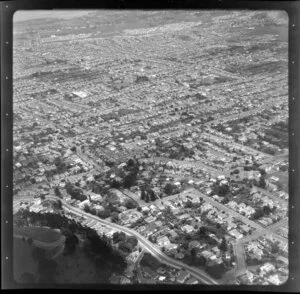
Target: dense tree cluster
{"points": [[147, 194], [169, 189], [262, 212], [125, 243], [98, 248], [75, 192]]}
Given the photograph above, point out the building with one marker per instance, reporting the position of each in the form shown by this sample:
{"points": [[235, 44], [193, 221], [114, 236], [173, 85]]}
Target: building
{"points": [[188, 229], [266, 268], [182, 276], [163, 241], [234, 233], [274, 279], [192, 281]]}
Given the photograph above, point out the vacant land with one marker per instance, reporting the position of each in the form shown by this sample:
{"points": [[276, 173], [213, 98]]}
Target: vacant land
{"points": [[38, 233]]}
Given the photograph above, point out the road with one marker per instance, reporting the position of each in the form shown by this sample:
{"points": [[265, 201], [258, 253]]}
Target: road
{"points": [[239, 252], [274, 158], [270, 231], [138, 269], [225, 208], [236, 215], [188, 164], [272, 196], [146, 244], [211, 135]]}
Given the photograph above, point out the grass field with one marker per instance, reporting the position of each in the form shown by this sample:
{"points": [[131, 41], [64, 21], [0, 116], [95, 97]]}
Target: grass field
{"points": [[38, 233], [283, 178]]}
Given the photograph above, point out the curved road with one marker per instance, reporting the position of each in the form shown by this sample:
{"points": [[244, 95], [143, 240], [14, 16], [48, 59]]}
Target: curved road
{"points": [[197, 273]]}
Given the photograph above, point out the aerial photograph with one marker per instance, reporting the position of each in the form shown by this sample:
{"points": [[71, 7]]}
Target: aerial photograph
{"points": [[150, 147]]}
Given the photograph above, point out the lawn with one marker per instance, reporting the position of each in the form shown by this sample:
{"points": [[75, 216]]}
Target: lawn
{"points": [[42, 234]]}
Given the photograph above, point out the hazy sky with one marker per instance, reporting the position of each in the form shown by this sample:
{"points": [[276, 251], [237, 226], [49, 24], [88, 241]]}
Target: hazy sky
{"points": [[22, 15]]}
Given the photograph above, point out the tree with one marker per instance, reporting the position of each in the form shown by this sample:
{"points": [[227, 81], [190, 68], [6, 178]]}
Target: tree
{"points": [[129, 180], [115, 184], [130, 204], [71, 242], [73, 148], [86, 208], [57, 204], [266, 209], [262, 182], [118, 237], [193, 252], [223, 245], [147, 198], [275, 248], [258, 213], [189, 204], [93, 210], [130, 162], [168, 189], [262, 171], [75, 192], [103, 213], [202, 230], [133, 240], [223, 190], [143, 194], [152, 195], [114, 217]]}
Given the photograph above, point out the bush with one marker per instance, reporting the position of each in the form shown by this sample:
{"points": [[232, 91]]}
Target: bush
{"points": [[114, 217], [130, 204]]}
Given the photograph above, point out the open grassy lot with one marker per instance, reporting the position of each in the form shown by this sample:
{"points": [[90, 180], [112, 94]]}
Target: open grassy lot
{"points": [[38, 233]]}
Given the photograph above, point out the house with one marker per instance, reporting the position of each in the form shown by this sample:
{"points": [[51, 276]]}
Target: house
{"points": [[124, 280], [282, 259], [274, 179], [161, 278], [234, 233], [149, 272], [232, 204], [158, 224], [206, 207], [171, 248], [184, 216], [187, 229], [274, 279], [179, 255], [153, 207], [150, 219], [173, 234], [206, 254], [266, 268], [194, 244], [182, 276], [192, 281], [163, 241]]}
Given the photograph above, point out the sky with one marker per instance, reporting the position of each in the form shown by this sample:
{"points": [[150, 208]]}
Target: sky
{"points": [[23, 15]]}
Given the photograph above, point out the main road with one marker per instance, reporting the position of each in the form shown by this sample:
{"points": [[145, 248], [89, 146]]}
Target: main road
{"points": [[150, 247]]}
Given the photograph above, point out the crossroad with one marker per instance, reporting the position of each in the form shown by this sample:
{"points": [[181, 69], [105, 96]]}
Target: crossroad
{"points": [[235, 214]]}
